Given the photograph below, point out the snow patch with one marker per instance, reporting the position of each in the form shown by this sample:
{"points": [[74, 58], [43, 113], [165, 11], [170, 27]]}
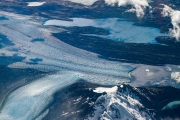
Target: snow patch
{"points": [[119, 106], [175, 20], [107, 90], [34, 4]]}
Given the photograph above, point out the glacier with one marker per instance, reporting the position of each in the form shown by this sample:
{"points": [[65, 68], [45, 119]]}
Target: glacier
{"points": [[65, 66]]}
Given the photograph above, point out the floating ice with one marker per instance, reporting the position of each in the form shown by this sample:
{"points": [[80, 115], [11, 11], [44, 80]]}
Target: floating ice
{"points": [[120, 29]]}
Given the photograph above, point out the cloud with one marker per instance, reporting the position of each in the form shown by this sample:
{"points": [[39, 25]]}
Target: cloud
{"points": [[175, 20], [138, 6], [34, 4]]}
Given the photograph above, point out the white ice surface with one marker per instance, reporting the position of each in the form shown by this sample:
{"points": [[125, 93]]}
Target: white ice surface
{"points": [[120, 29]]}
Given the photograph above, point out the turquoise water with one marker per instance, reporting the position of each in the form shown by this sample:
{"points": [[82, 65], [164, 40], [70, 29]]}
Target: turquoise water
{"points": [[172, 105], [120, 29]]}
